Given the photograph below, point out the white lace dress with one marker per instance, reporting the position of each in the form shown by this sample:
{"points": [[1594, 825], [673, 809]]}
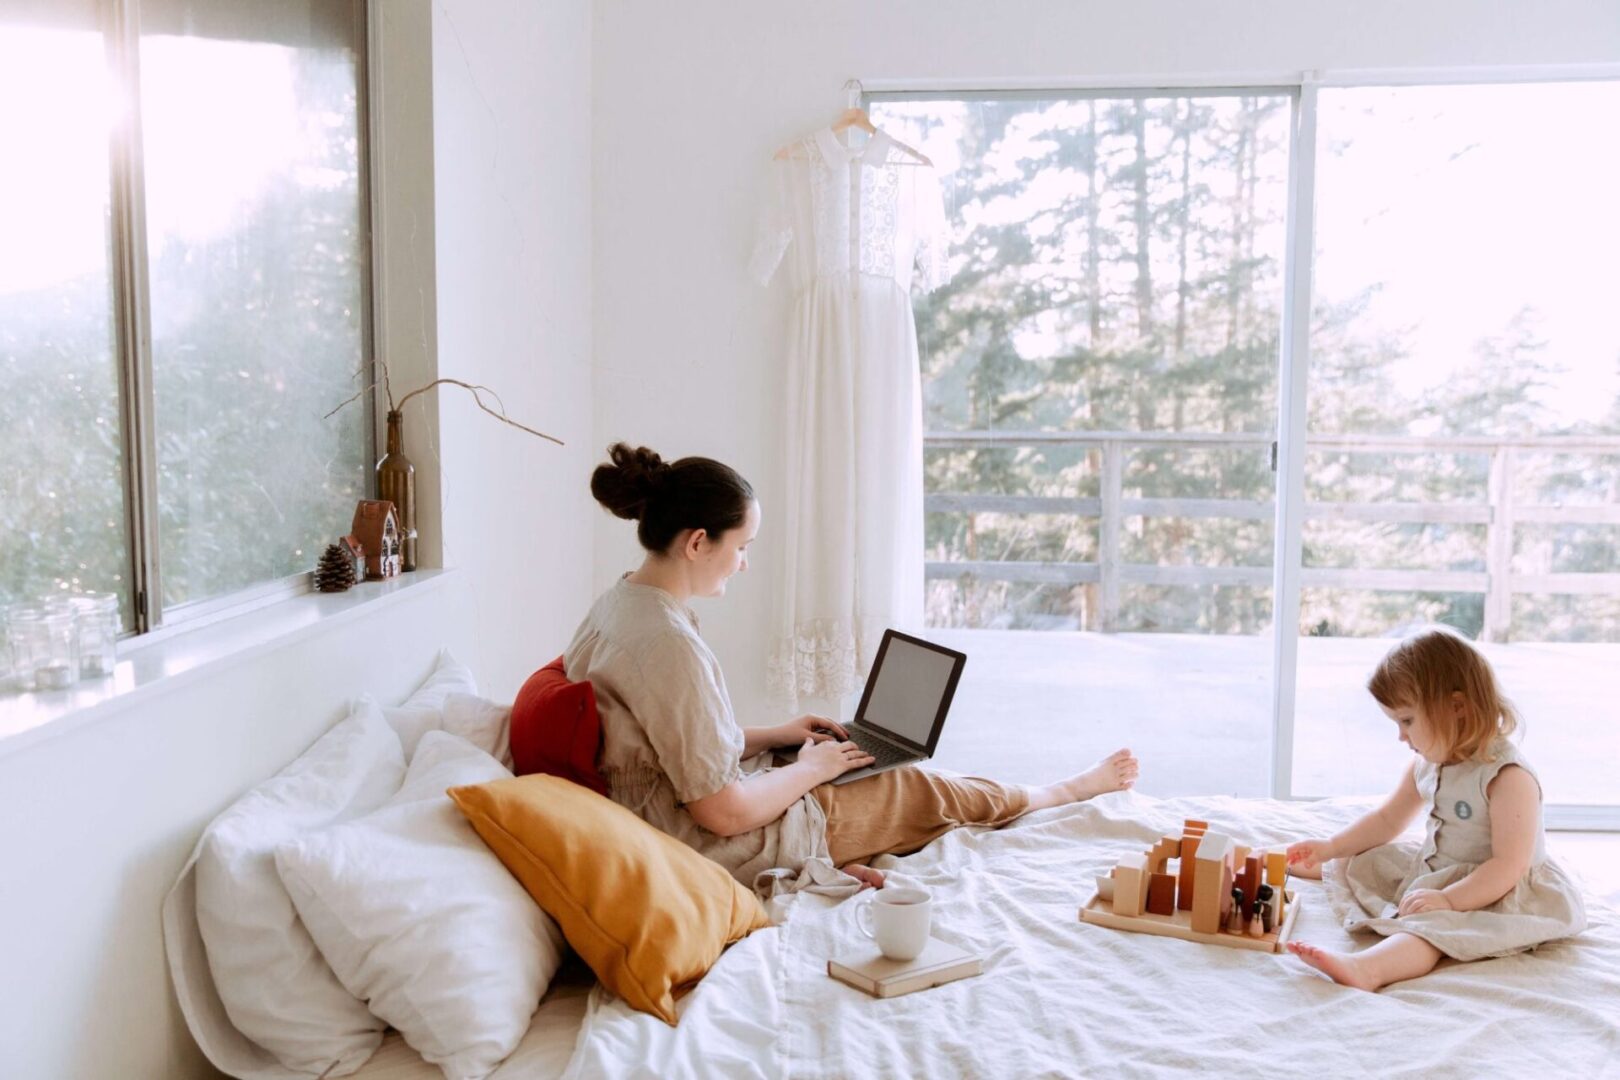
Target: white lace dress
{"points": [[859, 227]]}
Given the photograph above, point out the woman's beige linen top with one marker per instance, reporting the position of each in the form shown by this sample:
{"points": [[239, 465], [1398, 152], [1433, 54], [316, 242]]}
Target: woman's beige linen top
{"points": [[669, 736]]}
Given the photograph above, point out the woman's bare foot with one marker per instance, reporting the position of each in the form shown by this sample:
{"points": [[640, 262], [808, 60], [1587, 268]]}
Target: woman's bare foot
{"points": [[1340, 967], [868, 877], [1116, 772]]}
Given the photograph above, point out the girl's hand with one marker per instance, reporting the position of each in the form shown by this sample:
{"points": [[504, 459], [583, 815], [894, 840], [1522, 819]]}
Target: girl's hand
{"points": [[1420, 900], [812, 727], [833, 759], [1305, 858]]}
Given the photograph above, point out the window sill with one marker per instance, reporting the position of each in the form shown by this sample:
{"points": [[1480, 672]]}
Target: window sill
{"points": [[152, 665]]}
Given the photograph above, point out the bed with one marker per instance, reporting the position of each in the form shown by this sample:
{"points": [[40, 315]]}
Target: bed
{"points": [[1062, 998]]}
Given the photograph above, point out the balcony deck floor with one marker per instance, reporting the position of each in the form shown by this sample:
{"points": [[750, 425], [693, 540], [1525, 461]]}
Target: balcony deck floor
{"points": [[1035, 705]]}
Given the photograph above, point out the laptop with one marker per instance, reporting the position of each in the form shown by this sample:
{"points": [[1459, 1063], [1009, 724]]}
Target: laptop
{"points": [[903, 707]]}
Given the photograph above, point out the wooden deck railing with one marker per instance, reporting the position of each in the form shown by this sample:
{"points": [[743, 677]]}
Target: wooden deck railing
{"points": [[1500, 514]]}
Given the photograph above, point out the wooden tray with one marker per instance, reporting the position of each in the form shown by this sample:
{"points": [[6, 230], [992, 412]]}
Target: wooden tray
{"points": [[1179, 925]]}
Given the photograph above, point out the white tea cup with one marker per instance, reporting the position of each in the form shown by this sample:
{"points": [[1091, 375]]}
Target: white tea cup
{"points": [[898, 919]]}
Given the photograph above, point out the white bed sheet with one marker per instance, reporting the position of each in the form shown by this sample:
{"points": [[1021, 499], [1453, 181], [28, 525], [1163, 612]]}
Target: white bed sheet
{"points": [[1062, 998]]}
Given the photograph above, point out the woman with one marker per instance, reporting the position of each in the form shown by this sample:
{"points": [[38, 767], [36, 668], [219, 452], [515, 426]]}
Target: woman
{"points": [[672, 750]]}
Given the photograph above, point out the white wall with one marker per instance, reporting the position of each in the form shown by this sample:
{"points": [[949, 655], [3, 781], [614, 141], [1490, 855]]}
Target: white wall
{"points": [[95, 824], [512, 178], [692, 98]]}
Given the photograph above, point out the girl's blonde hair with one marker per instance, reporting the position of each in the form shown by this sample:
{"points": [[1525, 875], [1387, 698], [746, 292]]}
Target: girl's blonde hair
{"points": [[1425, 670]]}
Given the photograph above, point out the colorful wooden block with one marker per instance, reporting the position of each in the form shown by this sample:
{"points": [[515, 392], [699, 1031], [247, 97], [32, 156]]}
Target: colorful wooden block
{"points": [[1162, 895], [1251, 882], [1187, 888], [1277, 862], [1213, 882], [1193, 900], [1162, 852], [1131, 885], [1105, 887]]}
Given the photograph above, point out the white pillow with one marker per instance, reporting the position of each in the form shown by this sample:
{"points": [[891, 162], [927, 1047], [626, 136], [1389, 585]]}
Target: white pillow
{"points": [[274, 985], [421, 920], [481, 722], [423, 711]]}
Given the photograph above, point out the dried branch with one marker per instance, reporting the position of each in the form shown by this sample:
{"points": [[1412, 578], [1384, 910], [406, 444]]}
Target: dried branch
{"points": [[351, 399], [475, 390]]}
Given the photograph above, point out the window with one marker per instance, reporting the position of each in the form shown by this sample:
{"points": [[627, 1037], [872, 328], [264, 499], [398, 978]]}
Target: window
{"points": [[183, 297], [1101, 383], [1102, 368], [1463, 419]]}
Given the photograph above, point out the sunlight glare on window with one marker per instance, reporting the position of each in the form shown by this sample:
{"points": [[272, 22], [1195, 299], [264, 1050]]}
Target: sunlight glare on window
{"points": [[47, 235]]}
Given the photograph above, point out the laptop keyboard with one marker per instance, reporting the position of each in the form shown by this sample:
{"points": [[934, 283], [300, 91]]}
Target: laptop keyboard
{"points": [[886, 753]]}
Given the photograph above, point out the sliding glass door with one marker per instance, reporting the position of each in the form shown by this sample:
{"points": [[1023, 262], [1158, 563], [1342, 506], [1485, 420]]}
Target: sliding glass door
{"points": [[1399, 294], [1100, 394], [1462, 456]]}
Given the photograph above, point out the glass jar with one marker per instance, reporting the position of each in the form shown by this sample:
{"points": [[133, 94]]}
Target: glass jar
{"points": [[25, 627], [97, 625], [56, 665]]}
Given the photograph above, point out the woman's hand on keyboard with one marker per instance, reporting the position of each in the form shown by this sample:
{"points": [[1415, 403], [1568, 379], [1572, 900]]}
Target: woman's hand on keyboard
{"points": [[832, 759], [817, 728]]}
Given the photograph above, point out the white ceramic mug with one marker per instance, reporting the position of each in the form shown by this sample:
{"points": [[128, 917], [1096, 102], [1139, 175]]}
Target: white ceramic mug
{"points": [[898, 919]]}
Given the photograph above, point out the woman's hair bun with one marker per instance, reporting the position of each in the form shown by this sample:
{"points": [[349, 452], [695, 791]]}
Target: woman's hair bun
{"points": [[628, 480]]}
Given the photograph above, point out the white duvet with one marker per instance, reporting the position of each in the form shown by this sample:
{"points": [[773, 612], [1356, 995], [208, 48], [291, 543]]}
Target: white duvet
{"points": [[1062, 998]]}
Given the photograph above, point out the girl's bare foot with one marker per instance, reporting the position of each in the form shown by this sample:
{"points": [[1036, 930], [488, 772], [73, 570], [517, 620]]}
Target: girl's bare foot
{"points": [[868, 877], [1339, 967], [1116, 772]]}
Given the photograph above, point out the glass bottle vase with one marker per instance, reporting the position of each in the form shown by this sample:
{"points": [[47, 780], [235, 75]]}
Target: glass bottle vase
{"points": [[396, 482]]}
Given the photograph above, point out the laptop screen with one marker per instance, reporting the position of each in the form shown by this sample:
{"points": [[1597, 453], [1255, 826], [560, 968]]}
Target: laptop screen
{"points": [[910, 688]]}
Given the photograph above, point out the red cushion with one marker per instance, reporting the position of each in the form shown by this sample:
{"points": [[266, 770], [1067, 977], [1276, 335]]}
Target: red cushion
{"points": [[555, 729]]}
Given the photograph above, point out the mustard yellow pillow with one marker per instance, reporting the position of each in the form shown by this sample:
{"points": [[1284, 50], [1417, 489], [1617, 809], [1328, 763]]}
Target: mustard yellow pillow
{"points": [[647, 913]]}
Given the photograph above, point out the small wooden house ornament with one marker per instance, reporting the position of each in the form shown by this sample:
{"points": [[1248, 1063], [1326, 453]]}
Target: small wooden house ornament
{"points": [[376, 526], [356, 554]]}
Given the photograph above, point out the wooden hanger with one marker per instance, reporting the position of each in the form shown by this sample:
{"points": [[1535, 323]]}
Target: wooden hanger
{"points": [[856, 117]]}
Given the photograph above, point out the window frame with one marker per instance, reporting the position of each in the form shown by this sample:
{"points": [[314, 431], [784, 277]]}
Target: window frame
{"points": [[1294, 337], [133, 336]]}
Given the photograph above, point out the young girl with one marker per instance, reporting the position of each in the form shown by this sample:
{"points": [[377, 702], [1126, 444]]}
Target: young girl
{"points": [[672, 750], [1481, 883]]}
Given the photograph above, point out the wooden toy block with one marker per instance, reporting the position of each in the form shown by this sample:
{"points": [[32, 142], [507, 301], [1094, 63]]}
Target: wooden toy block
{"points": [[1131, 885], [1280, 889], [1162, 895], [1143, 893], [1099, 913], [1239, 854], [1212, 882], [1251, 879], [1244, 883], [1206, 909], [1165, 850], [1276, 868], [1186, 889], [1190, 824]]}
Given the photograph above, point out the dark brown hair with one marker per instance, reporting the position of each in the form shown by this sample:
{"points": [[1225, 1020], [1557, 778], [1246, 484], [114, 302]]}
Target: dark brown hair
{"points": [[667, 498], [1425, 670]]}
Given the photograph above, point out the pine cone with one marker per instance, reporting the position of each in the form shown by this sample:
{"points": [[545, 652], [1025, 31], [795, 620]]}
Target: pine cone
{"points": [[334, 573]]}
